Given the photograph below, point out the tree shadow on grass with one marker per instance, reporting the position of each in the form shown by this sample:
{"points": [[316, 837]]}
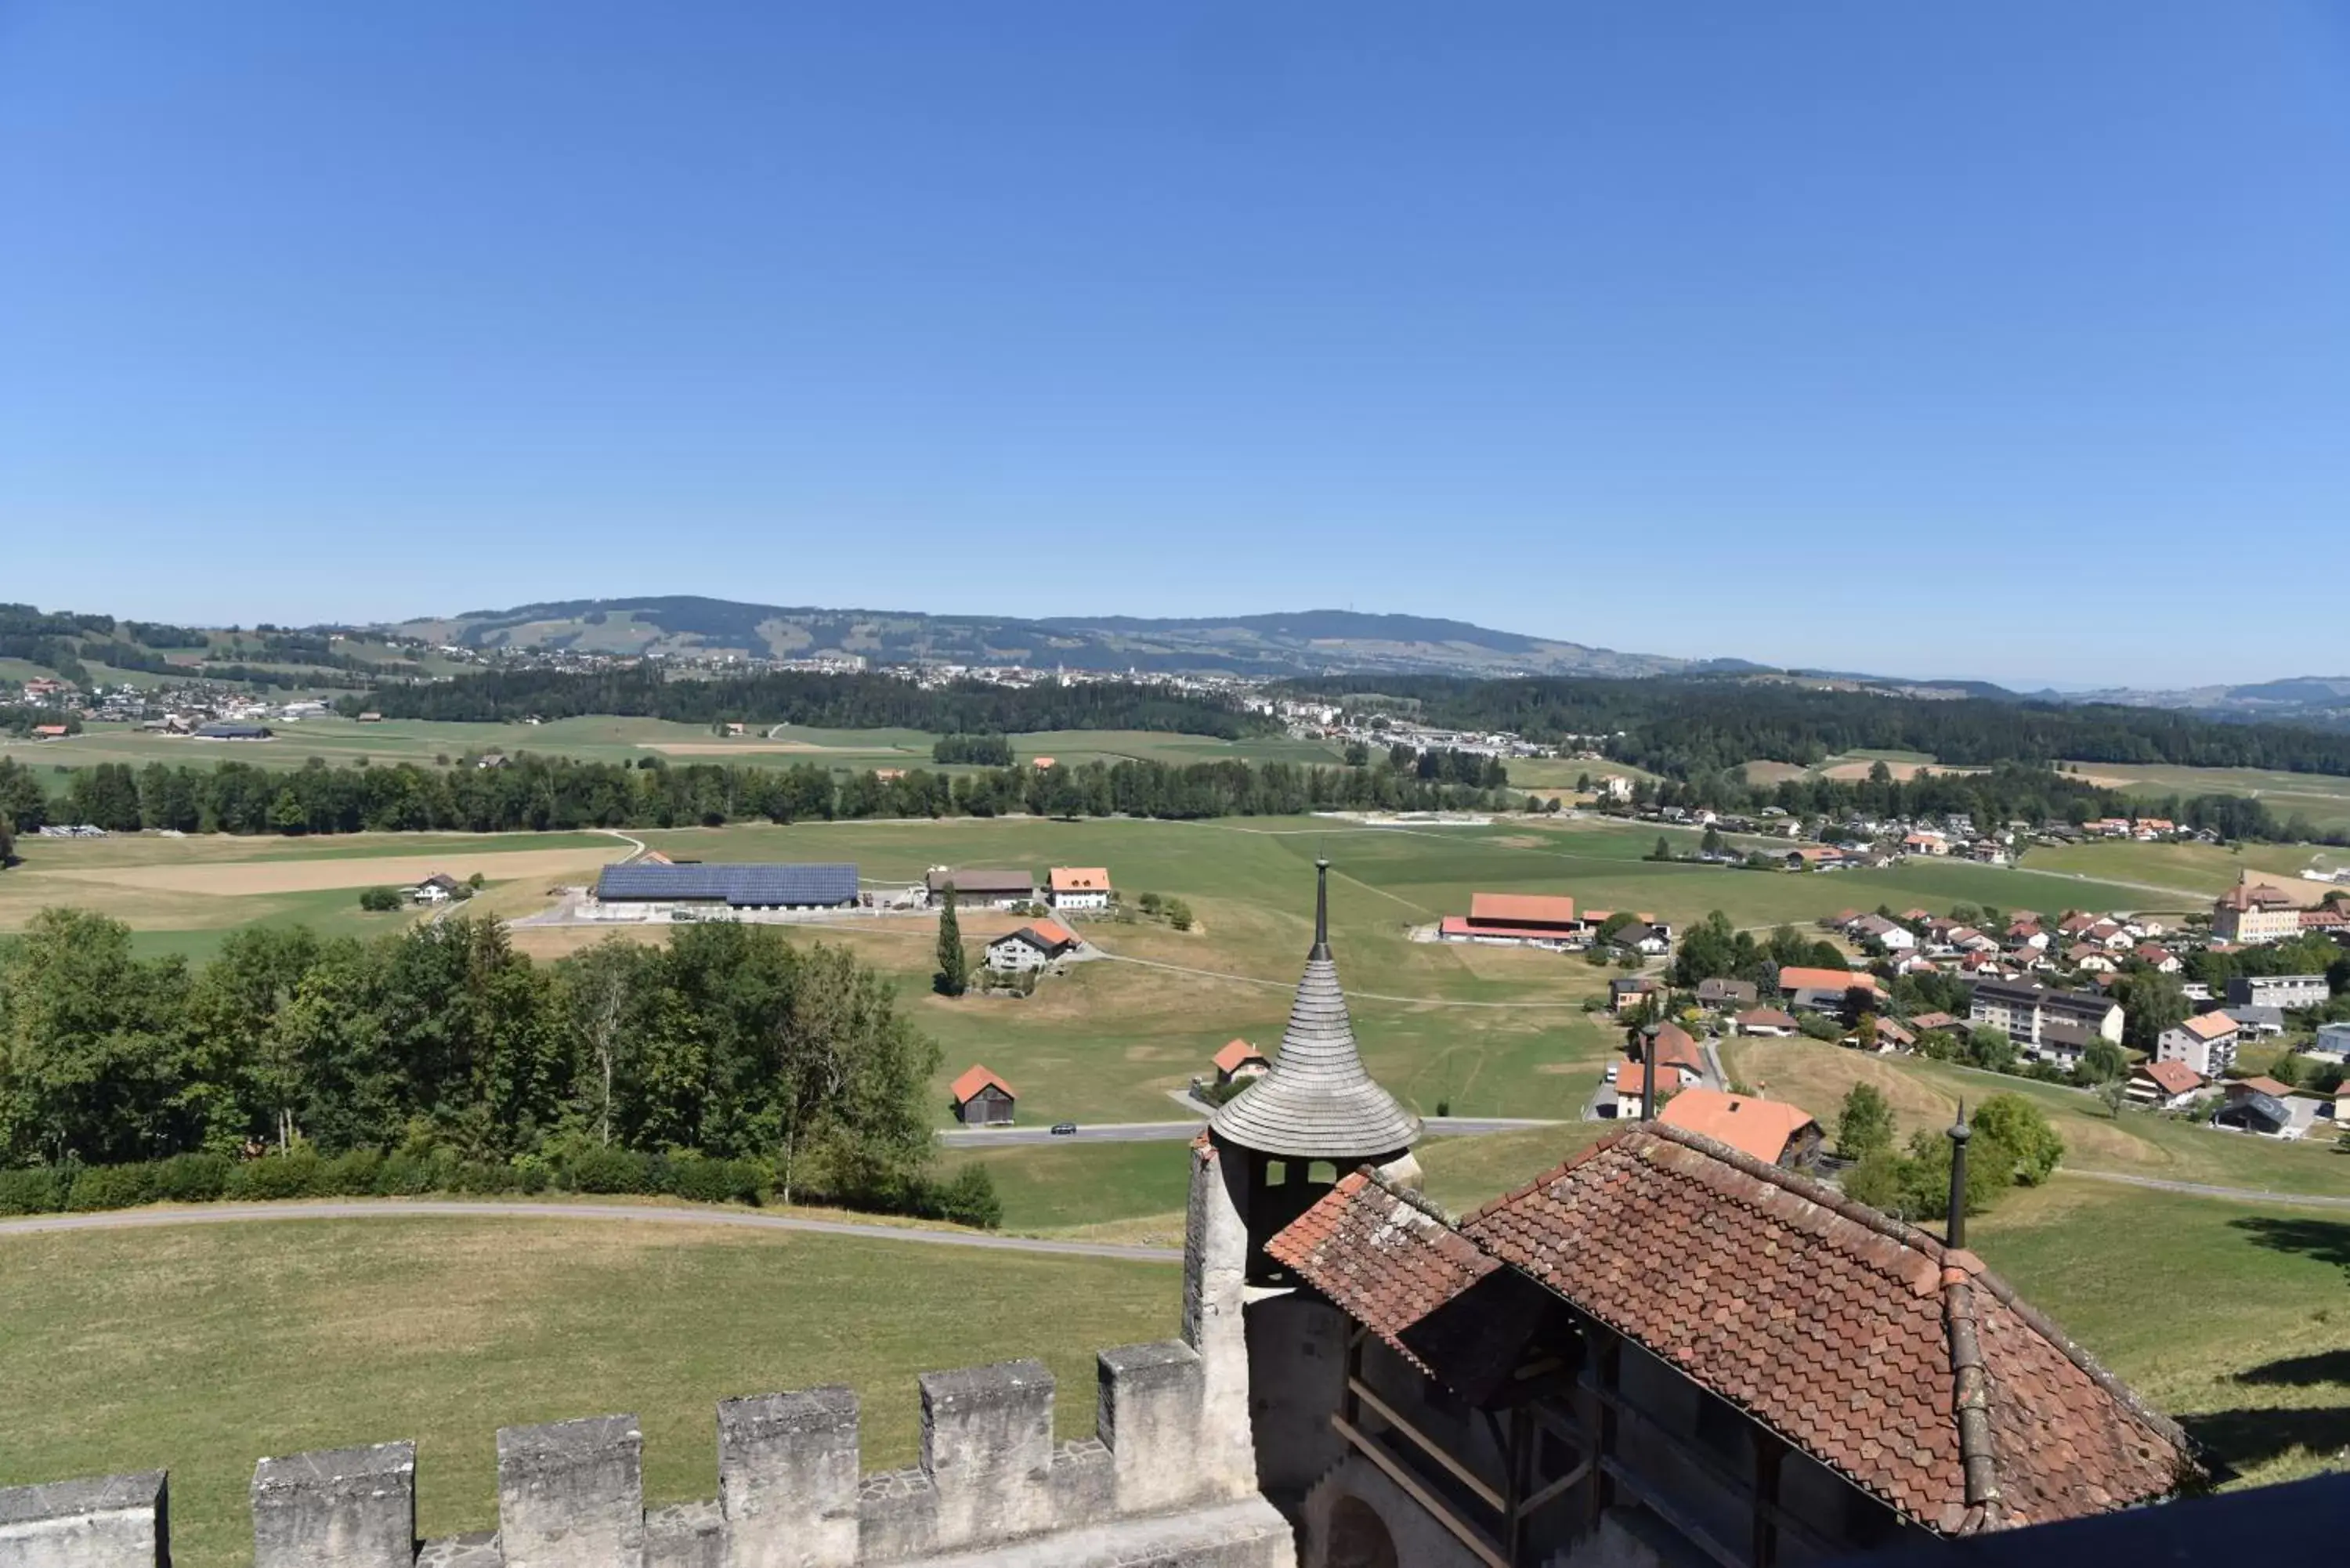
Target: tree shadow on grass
{"points": [[2234, 1440], [2301, 1371], [2326, 1240]]}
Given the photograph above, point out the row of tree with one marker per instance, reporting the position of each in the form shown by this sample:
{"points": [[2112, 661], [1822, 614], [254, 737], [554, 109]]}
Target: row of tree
{"points": [[804, 696], [534, 792], [976, 751], [727, 1042], [1688, 726]]}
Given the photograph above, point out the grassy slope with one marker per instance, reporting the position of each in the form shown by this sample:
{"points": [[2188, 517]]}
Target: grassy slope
{"points": [[2232, 1318], [203, 1348]]}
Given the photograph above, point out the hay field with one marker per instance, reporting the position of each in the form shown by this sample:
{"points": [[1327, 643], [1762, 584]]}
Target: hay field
{"points": [[183, 895]]}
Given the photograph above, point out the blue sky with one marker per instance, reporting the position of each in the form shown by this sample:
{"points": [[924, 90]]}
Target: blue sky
{"points": [[2005, 340]]}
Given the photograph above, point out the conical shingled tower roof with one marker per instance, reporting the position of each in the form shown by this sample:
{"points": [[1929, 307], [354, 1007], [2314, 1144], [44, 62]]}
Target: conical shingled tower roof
{"points": [[1318, 1103]]}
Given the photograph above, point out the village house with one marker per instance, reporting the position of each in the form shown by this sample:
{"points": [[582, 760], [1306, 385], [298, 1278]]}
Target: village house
{"points": [[978, 888], [2022, 1010], [2256, 1023], [1827, 990], [1717, 994], [2164, 1085], [1766, 1021], [2206, 1043], [2288, 991], [1033, 946], [437, 889], [1771, 1131], [2159, 958], [1625, 992], [1631, 1083], [1890, 935], [2254, 913], [982, 1099], [1672, 1047], [1080, 887], [1942, 1021], [1238, 1061], [2262, 1105], [1884, 1037]]}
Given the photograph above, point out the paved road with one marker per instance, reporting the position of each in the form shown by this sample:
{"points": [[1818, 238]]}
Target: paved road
{"points": [[1183, 1132], [412, 1208], [2197, 1190]]}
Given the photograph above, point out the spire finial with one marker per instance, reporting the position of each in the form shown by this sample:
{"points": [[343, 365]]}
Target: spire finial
{"points": [[1954, 1223], [1321, 907]]}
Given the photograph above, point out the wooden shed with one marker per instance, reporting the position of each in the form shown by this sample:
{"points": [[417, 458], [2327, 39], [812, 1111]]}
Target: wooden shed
{"points": [[982, 1099]]}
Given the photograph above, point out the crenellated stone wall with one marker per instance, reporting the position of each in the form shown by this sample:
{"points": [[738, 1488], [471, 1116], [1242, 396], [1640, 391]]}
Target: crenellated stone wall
{"points": [[992, 1486], [1167, 1479]]}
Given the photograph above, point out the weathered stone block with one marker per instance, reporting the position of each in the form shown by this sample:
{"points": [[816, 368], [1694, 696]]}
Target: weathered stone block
{"points": [[987, 1445], [572, 1495], [686, 1535], [478, 1550], [787, 1478], [1085, 1489], [101, 1522], [896, 1515], [1153, 1407], [337, 1508]]}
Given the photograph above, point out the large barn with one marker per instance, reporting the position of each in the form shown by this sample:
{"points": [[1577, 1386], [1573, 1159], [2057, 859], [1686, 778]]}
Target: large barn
{"points": [[650, 888]]}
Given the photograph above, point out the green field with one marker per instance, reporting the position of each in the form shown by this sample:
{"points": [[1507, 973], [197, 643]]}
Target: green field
{"points": [[2232, 1318], [202, 1348], [341, 742]]}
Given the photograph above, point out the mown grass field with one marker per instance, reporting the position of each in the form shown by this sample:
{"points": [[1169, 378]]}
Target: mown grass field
{"points": [[340, 742], [203, 1348]]}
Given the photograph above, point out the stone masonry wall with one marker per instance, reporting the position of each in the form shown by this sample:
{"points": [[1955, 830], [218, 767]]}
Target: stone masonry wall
{"points": [[992, 1487]]}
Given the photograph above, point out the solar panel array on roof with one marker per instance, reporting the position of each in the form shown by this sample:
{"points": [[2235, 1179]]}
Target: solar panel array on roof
{"points": [[741, 886]]}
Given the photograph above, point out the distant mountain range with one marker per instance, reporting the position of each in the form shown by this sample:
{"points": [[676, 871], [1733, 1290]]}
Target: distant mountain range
{"points": [[1309, 643]]}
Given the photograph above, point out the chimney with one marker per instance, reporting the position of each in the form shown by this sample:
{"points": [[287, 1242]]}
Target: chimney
{"points": [[1954, 1227], [1648, 1075]]}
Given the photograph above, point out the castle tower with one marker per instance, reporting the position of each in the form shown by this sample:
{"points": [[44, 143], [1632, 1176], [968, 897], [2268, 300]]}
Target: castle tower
{"points": [[1317, 1114]]}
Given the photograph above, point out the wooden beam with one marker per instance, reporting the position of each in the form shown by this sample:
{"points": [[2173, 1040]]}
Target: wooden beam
{"points": [[1551, 1490], [1687, 1528], [1461, 1472], [1720, 1474], [1467, 1534]]}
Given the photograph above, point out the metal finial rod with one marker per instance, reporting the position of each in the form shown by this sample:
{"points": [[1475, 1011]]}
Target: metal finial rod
{"points": [[1954, 1223], [1321, 908]]}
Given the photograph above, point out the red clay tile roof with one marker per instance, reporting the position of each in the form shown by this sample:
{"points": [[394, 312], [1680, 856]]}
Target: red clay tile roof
{"points": [[2268, 1086], [1764, 1018], [1759, 1127], [2173, 1077], [1521, 909], [1860, 1340], [1633, 1079], [2209, 1026], [973, 1080], [1383, 1260], [1081, 879], [1235, 1052], [1796, 978], [1675, 1049]]}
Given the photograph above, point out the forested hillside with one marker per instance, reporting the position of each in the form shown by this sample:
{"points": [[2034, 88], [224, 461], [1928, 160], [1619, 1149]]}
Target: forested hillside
{"points": [[799, 697], [1684, 728]]}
